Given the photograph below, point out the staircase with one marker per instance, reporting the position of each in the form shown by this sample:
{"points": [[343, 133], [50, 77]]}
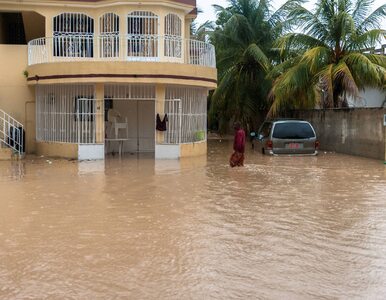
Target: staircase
{"points": [[12, 137]]}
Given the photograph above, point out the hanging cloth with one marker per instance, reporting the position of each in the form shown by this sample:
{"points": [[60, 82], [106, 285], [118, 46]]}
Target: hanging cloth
{"points": [[161, 124]]}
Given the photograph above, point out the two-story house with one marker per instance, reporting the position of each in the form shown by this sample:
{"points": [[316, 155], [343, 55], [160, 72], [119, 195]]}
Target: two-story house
{"points": [[85, 78]]}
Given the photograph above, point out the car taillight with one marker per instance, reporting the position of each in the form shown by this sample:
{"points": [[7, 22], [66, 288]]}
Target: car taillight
{"points": [[317, 144], [269, 144]]}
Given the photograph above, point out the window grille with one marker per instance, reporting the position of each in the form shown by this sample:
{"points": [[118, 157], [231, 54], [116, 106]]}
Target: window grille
{"points": [[142, 30], [66, 114], [187, 108], [109, 30], [173, 36], [73, 35]]}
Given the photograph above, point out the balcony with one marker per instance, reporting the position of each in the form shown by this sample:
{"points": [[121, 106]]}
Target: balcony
{"points": [[140, 48]]}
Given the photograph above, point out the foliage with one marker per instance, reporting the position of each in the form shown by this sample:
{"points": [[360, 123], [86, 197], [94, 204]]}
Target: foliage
{"points": [[201, 32], [244, 38], [327, 62]]}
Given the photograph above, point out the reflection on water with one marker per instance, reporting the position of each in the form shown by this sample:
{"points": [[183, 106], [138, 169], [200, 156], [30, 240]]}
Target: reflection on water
{"points": [[11, 170], [135, 228]]}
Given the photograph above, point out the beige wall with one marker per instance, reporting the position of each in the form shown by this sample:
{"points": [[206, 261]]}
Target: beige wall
{"points": [[95, 10], [133, 68], [15, 94], [34, 25], [57, 150], [193, 149]]}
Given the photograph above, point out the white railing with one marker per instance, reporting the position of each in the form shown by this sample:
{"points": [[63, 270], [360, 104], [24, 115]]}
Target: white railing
{"points": [[111, 47], [11, 133]]}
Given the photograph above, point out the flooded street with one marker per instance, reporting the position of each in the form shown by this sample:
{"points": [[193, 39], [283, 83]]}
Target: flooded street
{"points": [[279, 228]]}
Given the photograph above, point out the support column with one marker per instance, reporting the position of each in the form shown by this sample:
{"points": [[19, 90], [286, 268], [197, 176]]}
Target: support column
{"points": [[123, 36], [100, 112], [161, 37], [186, 42]]}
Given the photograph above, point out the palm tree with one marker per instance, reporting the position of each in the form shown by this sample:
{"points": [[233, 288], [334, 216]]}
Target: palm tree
{"points": [[201, 32], [328, 61], [244, 36]]}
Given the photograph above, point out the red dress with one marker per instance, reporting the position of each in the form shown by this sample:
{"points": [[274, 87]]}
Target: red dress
{"points": [[237, 158]]}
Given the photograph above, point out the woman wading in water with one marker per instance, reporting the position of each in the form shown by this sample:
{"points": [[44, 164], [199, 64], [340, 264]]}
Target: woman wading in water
{"points": [[237, 158]]}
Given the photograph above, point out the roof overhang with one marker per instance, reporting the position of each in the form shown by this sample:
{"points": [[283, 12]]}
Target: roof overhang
{"points": [[187, 5]]}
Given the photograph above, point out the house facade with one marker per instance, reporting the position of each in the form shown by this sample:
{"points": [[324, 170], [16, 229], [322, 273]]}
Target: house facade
{"points": [[92, 77]]}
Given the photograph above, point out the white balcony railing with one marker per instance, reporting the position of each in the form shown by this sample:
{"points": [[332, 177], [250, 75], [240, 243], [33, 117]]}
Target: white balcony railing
{"points": [[67, 48]]}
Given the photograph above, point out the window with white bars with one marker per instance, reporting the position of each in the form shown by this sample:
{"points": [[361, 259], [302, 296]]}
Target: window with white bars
{"points": [[186, 108], [173, 25], [66, 114], [73, 35], [142, 30], [173, 36], [109, 30]]}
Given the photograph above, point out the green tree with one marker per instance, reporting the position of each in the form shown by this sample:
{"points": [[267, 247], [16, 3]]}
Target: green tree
{"points": [[327, 61], [244, 37]]}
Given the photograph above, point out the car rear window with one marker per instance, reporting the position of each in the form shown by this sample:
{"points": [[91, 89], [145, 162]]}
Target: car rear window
{"points": [[293, 130]]}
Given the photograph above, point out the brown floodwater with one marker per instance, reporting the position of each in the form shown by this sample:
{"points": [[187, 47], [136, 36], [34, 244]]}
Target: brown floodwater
{"points": [[135, 228]]}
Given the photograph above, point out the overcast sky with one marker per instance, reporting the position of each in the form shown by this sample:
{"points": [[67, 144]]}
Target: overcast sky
{"points": [[209, 14]]}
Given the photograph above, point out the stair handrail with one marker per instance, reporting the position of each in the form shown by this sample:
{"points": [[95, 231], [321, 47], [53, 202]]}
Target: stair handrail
{"points": [[11, 133]]}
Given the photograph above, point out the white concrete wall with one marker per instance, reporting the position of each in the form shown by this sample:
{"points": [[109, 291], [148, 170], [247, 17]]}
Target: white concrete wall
{"points": [[91, 152], [370, 97], [167, 152]]}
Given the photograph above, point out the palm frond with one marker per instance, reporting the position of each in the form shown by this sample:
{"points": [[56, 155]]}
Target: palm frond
{"points": [[298, 42], [364, 71], [342, 73], [365, 40], [324, 79], [280, 19], [225, 84], [287, 87], [379, 60], [254, 53], [361, 10], [373, 20], [316, 58], [279, 69], [309, 22]]}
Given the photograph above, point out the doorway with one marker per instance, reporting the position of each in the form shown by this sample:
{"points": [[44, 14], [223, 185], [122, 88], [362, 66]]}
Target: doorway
{"points": [[130, 120]]}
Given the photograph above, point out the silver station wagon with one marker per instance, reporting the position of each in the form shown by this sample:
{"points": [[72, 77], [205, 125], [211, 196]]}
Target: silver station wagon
{"points": [[286, 136]]}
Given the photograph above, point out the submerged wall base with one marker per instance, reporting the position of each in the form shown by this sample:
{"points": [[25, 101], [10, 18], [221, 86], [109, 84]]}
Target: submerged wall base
{"points": [[194, 149], [167, 152], [91, 152], [95, 152], [71, 151], [179, 151], [62, 150]]}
